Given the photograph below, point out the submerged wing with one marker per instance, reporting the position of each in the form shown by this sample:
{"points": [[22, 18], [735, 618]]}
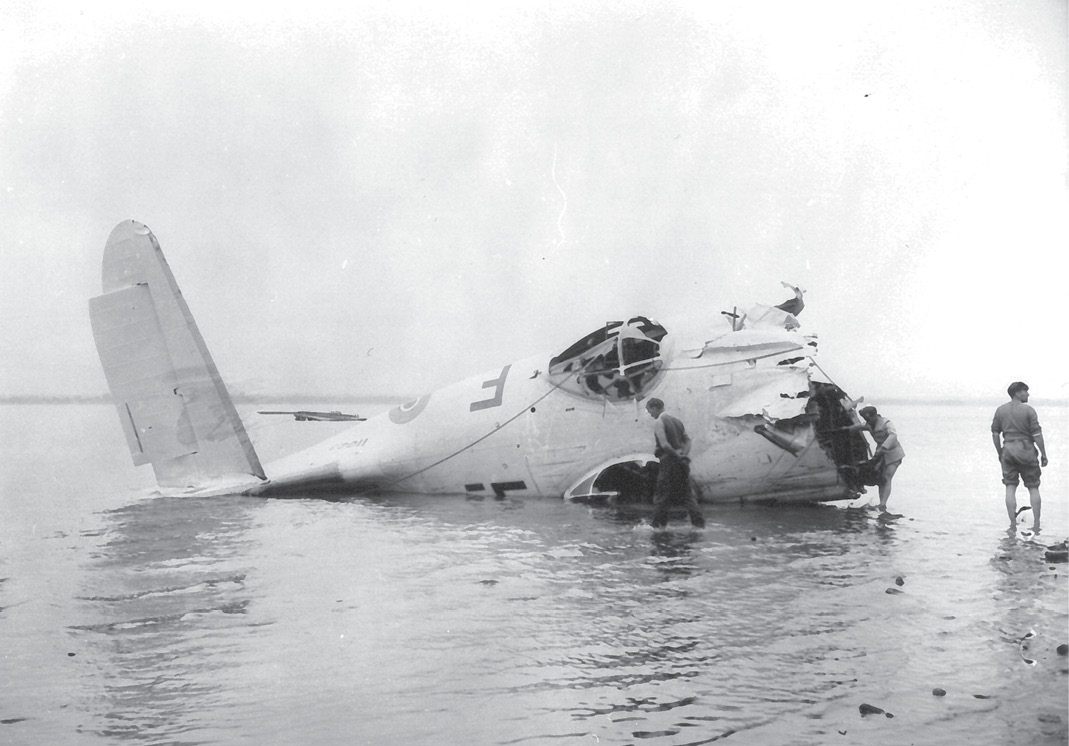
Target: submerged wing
{"points": [[174, 408]]}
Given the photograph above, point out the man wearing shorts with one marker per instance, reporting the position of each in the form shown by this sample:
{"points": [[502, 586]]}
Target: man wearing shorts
{"points": [[1021, 434], [888, 448]]}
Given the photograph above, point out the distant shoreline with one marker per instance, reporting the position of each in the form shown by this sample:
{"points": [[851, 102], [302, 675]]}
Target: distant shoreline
{"points": [[401, 398], [238, 399], [992, 401]]}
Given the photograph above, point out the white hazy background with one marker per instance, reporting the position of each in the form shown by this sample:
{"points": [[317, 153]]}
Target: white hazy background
{"points": [[392, 196]]}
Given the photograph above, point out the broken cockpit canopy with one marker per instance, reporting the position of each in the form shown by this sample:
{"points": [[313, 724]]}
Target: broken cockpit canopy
{"points": [[617, 362]]}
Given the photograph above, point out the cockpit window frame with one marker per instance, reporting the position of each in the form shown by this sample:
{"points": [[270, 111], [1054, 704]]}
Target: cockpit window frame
{"points": [[617, 362]]}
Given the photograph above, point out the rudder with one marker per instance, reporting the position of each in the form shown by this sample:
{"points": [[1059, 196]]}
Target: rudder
{"points": [[174, 408]]}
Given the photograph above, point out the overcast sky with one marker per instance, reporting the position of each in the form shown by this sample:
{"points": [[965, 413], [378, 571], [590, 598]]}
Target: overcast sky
{"points": [[392, 197]]}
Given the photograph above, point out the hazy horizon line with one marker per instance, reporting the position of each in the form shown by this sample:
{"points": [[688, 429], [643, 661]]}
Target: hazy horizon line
{"points": [[236, 398], [105, 398]]}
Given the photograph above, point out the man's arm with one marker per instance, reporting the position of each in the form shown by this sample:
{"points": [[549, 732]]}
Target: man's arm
{"points": [[1037, 434], [997, 441], [891, 441], [661, 434], [1042, 449]]}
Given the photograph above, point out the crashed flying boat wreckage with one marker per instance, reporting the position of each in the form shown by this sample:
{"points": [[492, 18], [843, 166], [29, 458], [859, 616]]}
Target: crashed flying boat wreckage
{"points": [[762, 417]]}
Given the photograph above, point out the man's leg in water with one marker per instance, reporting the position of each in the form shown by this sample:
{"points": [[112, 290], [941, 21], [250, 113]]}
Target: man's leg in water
{"points": [[1011, 504], [660, 500], [1037, 506], [885, 483], [694, 511], [685, 490]]}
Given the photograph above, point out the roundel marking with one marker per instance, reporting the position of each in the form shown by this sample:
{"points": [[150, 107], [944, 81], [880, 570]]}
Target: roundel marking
{"points": [[407, 412]]}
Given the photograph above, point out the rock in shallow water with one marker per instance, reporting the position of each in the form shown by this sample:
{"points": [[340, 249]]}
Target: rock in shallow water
{"points": [[867, 709]]}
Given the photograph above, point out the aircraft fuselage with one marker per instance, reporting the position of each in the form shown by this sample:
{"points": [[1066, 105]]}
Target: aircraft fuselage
{"points": [[515, 430], [762, 426]]}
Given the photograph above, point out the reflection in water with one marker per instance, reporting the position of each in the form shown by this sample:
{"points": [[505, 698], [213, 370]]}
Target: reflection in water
{"points": [[1027, 586], [166, 589], [363, 616], [412, 620], [672, 553], [661, 633], [675, 636], [1026, 583]]}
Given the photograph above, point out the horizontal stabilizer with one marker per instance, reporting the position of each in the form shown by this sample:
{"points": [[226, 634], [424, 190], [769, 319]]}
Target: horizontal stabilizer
{"points": [[174, 408], [303, 415]]}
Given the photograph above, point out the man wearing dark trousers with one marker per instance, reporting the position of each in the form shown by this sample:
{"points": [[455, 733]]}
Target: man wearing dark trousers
{"points": [[673, 475]]}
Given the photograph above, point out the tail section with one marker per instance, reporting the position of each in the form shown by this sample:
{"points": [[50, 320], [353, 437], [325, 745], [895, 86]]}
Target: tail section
{"points": [[174, 408]]}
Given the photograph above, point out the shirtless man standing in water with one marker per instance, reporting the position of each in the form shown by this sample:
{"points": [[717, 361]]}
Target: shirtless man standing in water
{"points": [[1021, 434]]}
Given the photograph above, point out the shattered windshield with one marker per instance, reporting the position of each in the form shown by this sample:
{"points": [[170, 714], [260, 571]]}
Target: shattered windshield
{"points": [[617, 361]]}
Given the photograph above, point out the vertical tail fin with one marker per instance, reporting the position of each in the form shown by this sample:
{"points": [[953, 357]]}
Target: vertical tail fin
{"points": [[175, 411]]}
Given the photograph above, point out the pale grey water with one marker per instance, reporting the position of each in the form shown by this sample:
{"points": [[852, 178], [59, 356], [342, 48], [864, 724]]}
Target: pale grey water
{"points": [[134, 619]]}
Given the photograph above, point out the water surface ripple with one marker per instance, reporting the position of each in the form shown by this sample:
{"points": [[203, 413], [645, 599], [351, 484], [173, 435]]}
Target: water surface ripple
{"points": [[407, 620]]}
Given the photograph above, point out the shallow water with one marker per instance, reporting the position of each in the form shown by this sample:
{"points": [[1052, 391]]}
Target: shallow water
{"points": [[410, 620]]}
